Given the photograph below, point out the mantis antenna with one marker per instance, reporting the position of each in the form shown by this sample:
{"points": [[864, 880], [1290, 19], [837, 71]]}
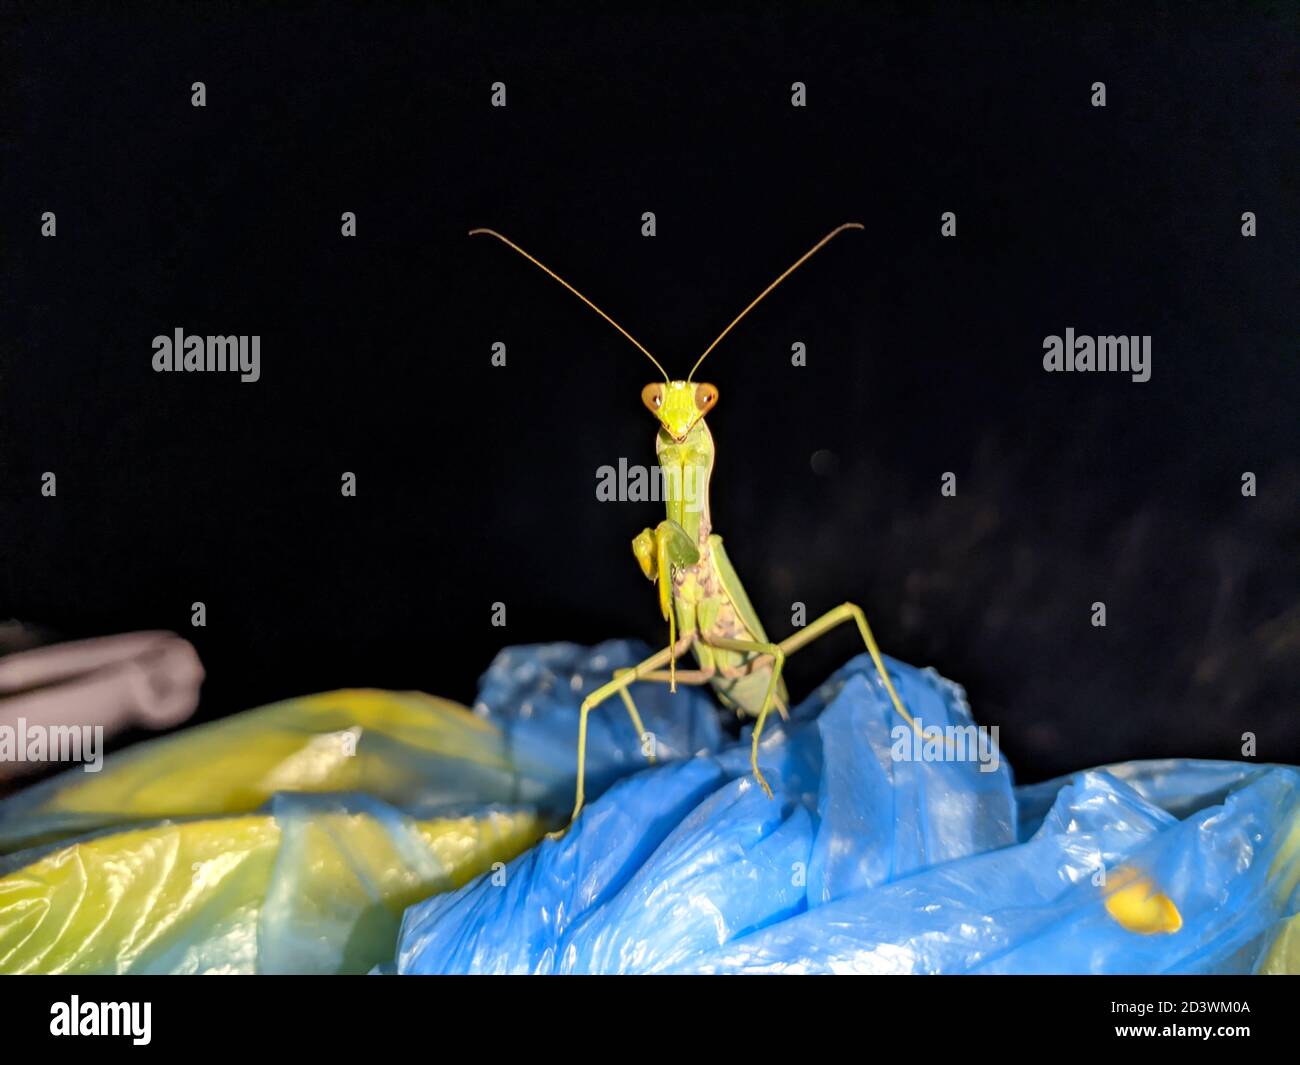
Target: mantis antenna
{"points": [[797, 263], [547, 270]]}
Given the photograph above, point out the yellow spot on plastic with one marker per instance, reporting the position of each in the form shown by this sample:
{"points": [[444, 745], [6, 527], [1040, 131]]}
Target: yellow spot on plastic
{"points": [[1138, 907]]}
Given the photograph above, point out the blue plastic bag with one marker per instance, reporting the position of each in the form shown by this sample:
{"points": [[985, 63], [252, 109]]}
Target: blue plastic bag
{"points": [[875, 858], [532, 694]]}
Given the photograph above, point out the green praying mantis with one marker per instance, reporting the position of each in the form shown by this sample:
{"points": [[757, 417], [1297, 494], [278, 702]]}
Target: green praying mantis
{"points": [[700, 596]]}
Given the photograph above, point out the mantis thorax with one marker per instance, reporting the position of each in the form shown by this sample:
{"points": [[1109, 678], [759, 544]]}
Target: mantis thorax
{"points": [[687, 465]]}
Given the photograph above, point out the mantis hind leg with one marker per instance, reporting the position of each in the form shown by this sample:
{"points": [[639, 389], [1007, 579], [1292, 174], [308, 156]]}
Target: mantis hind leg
{"points": [[777, 653], [838, 616]]}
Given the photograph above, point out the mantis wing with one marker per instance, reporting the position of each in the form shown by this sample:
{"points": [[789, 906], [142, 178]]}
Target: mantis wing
{"points": [[735, 590], [736, 593]]}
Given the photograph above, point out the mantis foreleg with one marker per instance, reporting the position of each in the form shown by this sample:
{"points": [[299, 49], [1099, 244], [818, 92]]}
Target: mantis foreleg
{"points": [[658, 552]]}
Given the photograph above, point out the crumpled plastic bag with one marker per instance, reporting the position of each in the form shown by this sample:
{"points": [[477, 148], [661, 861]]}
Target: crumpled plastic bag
{"points": [[315, 886], [1284, 957], [868, 863], [533, 694], [421, 753], [290, 838], [287, 839]]}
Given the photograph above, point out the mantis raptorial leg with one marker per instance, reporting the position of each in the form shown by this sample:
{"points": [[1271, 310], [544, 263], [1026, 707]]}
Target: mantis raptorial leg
{"points": [[657, 552]]}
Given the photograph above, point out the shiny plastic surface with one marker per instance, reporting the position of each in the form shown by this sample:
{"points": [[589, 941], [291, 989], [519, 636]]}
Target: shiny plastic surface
{"points": [[424, 754], [869, 863], [289, 839], [273, 841], [315, 886]]}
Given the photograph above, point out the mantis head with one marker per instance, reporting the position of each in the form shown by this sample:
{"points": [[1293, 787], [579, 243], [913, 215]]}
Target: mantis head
{"points": [[679, 404]]}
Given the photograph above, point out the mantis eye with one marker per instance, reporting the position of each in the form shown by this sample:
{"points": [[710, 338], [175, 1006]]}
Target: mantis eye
{"points": [[705, 397], [653, 397]]}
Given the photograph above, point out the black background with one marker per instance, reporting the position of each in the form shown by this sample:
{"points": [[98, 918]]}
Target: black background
{"points": [[477, 484]]}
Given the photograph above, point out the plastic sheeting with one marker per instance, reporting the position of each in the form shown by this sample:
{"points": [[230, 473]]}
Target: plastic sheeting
{"points": [[416, 751], [874, 859], [290, 838], [532, 693], [315, 886], [402, 747]]}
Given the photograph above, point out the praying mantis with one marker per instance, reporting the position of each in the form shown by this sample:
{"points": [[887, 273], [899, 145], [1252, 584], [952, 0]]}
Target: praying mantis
{"points": [[700, 596]]}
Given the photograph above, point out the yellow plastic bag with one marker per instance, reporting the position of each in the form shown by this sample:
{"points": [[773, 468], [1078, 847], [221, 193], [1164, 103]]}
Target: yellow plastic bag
{"points": [[264, 842], [408, 748], [313, 887], [1283, 958]]}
